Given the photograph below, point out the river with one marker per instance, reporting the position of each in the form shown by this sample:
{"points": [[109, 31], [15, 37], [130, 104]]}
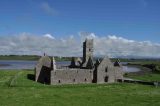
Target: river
{"points": [[20, 64]]}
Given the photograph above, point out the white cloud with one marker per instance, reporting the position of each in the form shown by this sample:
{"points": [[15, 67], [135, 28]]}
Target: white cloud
{"points": [[47, 8], [111, 45], [49, 36], [113, 37]]}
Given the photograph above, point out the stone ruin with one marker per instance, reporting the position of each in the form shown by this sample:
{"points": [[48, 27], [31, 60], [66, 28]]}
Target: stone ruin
{"points": [[79, 71]]}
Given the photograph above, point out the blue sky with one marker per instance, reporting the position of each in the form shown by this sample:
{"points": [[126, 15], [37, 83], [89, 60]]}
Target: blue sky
{"points": [[132, 19], [135, 22]]}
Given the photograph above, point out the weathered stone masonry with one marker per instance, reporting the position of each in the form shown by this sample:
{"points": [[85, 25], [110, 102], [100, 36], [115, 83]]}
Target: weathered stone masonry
{"points": [[86, 72], [71, 76]]}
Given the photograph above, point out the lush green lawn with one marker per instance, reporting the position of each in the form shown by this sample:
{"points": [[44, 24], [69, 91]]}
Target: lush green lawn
{"points": [[17, 90]]}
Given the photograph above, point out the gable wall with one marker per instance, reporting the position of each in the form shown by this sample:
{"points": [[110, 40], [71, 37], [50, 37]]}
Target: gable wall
{"points": [[105, 71]]}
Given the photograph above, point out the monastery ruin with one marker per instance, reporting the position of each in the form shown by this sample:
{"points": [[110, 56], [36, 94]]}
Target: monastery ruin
{"points": [[79, 71]]}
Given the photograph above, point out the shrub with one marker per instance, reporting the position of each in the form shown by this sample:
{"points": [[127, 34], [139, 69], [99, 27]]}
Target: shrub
{"points": [[156, 69]]}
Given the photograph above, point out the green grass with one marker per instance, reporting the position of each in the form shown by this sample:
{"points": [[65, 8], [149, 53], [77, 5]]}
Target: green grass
{"points": [[145, 76], [17, 90], [145, 62]]}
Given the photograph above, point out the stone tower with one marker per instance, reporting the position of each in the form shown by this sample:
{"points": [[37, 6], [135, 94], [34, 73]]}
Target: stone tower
{"points": [[87, 52]]}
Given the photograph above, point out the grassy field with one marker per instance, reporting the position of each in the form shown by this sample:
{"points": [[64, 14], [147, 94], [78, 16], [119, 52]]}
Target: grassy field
{"points": [[30, 57], [17, 89], [145, 76]]}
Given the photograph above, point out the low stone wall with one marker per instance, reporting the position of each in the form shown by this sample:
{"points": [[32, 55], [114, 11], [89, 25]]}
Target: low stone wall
{"points": [[71, 76]]}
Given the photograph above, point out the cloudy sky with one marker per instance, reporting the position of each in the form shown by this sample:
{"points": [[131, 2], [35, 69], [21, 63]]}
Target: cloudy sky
{"points": [[58, 27]]}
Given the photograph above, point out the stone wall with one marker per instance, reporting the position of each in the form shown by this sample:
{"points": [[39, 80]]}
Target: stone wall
{"points": [[106, 72], [42, 70], [71, 76], [118, 70], [118, 73]]}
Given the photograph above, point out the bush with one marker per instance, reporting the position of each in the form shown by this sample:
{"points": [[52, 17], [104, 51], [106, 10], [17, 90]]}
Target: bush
{"points": [[156, 69]]}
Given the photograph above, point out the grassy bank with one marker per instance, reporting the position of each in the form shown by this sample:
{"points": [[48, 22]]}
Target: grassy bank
{"points": [[30, 57], [152, 64], [18, 89], [150, 70], [145, 76], [19, 57]]}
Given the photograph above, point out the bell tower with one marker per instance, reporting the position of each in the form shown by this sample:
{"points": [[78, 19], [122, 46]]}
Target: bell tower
{"points": [[87, 52]]}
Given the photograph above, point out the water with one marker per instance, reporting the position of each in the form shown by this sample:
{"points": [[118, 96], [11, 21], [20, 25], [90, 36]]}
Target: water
{"points": [[17, 64], [20, 64], [131, 69]]}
